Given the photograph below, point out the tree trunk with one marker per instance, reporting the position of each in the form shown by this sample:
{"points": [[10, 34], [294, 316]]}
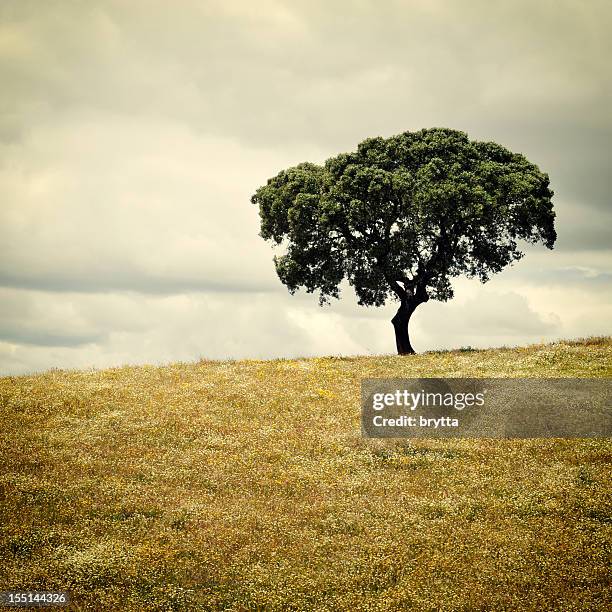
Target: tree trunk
{"points": [[400, 323]]}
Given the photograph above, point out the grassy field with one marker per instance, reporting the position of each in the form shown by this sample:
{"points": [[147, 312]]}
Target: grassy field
{"points": [[243, 485]]}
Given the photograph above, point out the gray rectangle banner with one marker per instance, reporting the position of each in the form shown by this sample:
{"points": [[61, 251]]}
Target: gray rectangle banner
{"points": [[486, 407]]}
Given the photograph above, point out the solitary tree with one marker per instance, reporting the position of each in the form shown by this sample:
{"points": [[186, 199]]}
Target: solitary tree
{"points": [[401, 216]]}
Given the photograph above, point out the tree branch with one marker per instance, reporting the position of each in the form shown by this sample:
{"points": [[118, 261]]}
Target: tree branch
{"points": [[401, 293]]}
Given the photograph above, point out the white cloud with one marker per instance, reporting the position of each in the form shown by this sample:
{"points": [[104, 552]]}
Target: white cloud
{"points": [[103, 203], [132, 135]]}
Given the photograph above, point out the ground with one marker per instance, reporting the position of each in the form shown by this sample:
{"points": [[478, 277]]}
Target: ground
{"points": [[240, 485]]}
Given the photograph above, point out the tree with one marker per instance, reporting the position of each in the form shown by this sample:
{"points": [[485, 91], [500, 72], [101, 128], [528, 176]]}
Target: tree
{"points": [[401, 216]]}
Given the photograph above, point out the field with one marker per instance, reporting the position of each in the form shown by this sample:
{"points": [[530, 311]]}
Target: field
{"points": [[245, 485]]}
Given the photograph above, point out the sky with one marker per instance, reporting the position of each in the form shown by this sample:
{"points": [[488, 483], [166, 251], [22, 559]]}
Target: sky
{"points": [[133, 133]]}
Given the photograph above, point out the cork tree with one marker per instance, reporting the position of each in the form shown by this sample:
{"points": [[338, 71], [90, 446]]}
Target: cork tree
{"points": [[400, 217]]}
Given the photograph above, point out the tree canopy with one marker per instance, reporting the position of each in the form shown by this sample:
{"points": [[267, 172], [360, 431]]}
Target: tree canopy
{"points": [[401, 216]]}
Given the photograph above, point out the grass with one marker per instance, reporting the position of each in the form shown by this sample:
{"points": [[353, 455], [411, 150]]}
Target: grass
{"points": [[246, 485]]}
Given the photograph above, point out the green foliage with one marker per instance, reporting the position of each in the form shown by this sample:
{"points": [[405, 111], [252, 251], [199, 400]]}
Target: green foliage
{"points": [[401, 216]]}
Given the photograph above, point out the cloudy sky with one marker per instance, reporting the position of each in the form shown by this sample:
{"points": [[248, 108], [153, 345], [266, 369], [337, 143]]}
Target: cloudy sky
{"points": [[133, 133]]}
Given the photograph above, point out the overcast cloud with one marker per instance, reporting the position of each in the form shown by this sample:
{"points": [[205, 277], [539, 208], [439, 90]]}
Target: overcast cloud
{"points": [[133, 133]]}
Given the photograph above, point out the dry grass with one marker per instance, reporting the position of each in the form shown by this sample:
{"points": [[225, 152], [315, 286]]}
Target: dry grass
{"points": [[247, 485]]}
